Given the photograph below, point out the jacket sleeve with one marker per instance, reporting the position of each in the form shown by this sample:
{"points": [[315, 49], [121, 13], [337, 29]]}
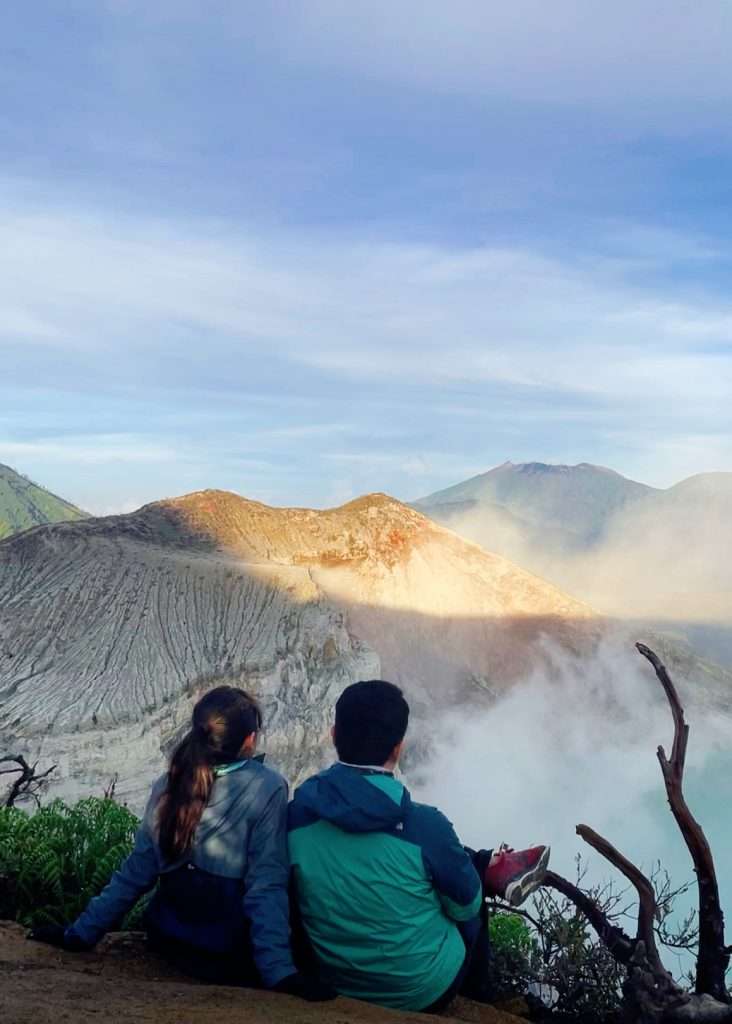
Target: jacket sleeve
{"points": [[266, 900], [455, 879], [137, 875]]}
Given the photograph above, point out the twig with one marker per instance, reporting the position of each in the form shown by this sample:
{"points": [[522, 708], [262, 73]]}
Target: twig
{"points": [[617, 941]]}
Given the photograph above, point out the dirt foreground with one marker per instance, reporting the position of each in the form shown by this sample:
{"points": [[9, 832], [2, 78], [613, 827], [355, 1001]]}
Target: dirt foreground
{"points": [[122, 982]]}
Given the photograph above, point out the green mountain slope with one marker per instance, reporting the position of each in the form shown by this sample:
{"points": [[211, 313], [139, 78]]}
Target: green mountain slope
{"points": [[24, 504]]}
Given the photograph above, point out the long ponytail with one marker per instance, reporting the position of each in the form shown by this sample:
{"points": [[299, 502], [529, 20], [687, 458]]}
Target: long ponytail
{"points": [[222, 720]]}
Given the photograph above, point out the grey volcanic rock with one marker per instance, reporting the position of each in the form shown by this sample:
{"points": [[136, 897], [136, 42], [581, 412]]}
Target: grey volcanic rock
{"points": [[111, 628]]}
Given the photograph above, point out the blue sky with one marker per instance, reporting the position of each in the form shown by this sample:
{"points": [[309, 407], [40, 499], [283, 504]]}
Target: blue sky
{"points": [[308, 250]]}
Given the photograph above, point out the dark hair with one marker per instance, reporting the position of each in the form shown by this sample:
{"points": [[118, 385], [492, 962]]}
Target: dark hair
{"points": [[370, 719], [222, 720]]}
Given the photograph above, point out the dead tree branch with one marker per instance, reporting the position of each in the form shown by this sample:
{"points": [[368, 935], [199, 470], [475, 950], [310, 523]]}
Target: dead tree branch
{"points": [[29, 781], [713, 957], [647, 909], [620, 944], [651, 994]]}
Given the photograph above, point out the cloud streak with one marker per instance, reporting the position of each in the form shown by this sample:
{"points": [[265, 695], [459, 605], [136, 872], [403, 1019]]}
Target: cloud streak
{"points": [[140, 312]]}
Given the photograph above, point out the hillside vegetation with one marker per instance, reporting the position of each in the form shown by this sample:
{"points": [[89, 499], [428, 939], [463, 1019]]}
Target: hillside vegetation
{"points": [[24, 504]]}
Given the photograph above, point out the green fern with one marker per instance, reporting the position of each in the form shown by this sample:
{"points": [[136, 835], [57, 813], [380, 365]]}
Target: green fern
{"points": [[107, 865], [52, 862]]}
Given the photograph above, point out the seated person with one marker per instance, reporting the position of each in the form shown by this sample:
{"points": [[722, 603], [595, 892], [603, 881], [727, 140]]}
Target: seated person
{"points": [[214, 841], [388, 897]]}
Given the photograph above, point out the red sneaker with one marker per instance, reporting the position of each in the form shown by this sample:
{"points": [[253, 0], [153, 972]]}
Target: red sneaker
{"points": [[515, 874]]}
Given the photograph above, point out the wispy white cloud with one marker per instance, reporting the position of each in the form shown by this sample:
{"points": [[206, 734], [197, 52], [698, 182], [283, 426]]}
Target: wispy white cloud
{"points": [[387, 340], [91, 450], [378, 309]]}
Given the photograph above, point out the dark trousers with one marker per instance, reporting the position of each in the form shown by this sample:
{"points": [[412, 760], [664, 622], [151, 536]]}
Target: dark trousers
{"points": [[231, 968], [472, 978]]}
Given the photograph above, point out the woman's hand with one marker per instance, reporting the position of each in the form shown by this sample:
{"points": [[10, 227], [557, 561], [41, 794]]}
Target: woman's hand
{"points": [[59, 935]]}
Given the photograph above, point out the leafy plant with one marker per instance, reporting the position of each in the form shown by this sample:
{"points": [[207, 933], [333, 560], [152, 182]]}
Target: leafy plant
{"points": [[54, 861], [514, 951], [549, 953]]}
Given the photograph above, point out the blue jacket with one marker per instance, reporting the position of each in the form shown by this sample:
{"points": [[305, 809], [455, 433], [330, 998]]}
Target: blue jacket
{"points": [[382, 884], [234, 879]]}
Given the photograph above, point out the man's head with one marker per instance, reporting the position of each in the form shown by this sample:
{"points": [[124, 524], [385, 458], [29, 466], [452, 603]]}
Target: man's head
{"points": [[370, 722]]}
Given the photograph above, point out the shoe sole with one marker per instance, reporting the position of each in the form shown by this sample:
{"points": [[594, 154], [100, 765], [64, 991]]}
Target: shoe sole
{"points": [[517, 892]]}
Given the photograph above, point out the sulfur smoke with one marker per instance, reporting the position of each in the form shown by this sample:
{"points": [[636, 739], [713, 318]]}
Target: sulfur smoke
{"points": [[578, 745]]}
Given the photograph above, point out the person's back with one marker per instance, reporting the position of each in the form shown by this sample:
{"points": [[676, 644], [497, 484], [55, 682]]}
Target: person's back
{"points": [[218, 896], [381, 883], [214, 840]]}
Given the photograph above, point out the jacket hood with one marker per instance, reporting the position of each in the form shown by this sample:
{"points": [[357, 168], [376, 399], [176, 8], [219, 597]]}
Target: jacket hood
{"points": [[344, 797]]}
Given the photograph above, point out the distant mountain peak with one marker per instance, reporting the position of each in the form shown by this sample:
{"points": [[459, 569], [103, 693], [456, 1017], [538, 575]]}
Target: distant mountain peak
{"points": [[24, 504], [554, 468], [576, 500]]}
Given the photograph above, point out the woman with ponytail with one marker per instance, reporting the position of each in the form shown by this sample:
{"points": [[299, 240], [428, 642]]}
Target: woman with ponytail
{"points": [[214, 839]]}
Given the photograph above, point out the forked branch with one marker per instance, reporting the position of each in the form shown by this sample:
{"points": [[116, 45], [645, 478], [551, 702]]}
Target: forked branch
{"points": [[28, 780], [713, 957], [650, 992], [647, 909], [620, 944]]}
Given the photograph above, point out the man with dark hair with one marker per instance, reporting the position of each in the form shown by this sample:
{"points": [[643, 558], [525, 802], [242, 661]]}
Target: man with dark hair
{"points": [[388, 897]]}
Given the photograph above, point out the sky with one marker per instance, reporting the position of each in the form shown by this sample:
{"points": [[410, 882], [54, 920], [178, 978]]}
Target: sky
{"points": [[304, 251]]}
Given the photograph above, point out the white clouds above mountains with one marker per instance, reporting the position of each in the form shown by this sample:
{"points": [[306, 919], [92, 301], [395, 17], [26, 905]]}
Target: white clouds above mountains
{"points": [[338, 325], [351, 307], [322, 248]]}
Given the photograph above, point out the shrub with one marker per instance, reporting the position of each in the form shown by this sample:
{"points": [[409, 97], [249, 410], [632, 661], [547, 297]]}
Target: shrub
{"points": [[53, 861], [549, 952], [514, 951]]}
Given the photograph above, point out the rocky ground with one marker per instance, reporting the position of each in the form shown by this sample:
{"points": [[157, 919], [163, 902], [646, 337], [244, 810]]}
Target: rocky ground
{"points": [[122, 982]]}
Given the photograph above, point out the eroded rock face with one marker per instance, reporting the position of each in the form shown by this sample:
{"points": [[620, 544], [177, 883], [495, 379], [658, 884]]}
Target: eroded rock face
{"points": [[111, 628], [107, 640]]}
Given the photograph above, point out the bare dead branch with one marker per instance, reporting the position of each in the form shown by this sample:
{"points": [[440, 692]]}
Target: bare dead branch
{"points": [[681, 729], [111, 788], [714, 956], [650, 992], [647, 909], [29, 780], [617, 941]]}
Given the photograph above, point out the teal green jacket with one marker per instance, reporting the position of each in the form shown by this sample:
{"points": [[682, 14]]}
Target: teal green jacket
{"points": [[382, 884]]}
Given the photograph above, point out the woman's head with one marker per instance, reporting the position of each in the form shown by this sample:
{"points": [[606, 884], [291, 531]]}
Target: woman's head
{"points": [[224, 728], [225, 723]]}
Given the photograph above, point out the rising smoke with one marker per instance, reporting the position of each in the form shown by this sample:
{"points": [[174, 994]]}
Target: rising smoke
{"points": [[659, 559], [552, 754]]}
